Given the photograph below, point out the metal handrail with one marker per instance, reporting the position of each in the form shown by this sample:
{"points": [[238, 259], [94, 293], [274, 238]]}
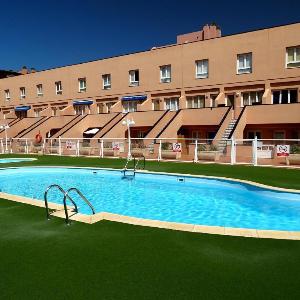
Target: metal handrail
{"points": [[135, 165], [61, 190], [66, 195]]}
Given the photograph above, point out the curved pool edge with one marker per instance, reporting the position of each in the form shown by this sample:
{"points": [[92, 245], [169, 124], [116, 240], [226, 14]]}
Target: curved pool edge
{"points": [[193, 228], [236, 180]]}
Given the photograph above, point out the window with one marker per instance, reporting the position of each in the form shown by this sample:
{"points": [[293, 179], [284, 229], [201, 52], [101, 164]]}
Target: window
{"points": [[196, 102], [134, 78], [285, 96], [279, 135], [213, 101], [109, 106], [22, 93], [54, 111], [252, 134], [244, 63], [58, 87], [129, 106], [202, 68], [172, 104], [165, 74], [39, 90], [37, 112], [7, 95], [196, 135], [252, 98], [106, 78], [156, 105], [80, 109], [293, 57], [81, 85]]}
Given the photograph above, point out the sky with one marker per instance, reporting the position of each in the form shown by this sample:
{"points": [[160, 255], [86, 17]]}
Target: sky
{"points": [[48, 34]]}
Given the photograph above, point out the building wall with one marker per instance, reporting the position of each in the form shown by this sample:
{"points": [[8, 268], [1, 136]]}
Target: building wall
{"points": [[268, 49]]}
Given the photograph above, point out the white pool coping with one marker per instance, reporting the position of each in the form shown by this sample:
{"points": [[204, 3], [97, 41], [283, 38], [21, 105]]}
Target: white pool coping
{"points": [[91, 219]]}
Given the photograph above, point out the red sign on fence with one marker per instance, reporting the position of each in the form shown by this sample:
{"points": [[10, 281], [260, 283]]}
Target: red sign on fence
{"points": [[283, 150]]}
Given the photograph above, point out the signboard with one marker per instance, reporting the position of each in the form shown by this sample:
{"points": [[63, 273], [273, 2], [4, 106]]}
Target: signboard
{"points": [[176, 147], [70, 145], [116, 145], [283, 150]]}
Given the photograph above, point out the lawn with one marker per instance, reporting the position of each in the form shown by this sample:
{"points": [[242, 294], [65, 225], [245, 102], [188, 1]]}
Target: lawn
{"points": [[43, 259]]}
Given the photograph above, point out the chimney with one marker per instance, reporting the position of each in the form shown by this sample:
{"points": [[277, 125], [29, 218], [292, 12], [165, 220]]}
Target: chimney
{"points": [[211, 31], [24, 70]]}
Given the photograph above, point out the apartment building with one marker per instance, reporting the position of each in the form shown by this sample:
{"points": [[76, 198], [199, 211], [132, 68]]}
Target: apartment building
{"points": [[203, 87]]}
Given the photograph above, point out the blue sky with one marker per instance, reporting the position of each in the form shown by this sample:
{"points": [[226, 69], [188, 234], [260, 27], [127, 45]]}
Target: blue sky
{"points": [[48, 34]]}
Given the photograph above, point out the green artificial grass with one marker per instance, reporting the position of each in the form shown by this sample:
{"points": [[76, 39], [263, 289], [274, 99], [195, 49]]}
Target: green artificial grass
{"points": [[280, 177], [43, 259]]}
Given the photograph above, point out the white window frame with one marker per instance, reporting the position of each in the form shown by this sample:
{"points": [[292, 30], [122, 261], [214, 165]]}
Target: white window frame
{"points": [[106, 81], [280, 95], [249, 102], [39, 90], [81, 85], [132, 78], [195, 101], [129, 106], [171, 104], [295, 63], [58, 87], [245, 69], [7, 94], [22, 93], [201, 73], [165, 74]]}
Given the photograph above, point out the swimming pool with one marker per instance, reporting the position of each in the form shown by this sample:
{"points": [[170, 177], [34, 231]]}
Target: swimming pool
{"points": [[189, 200], [14, 160]]}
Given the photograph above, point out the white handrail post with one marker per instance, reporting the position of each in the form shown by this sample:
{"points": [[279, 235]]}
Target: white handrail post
{"points": [[101, 149], [159, 151], [254, 151], [196, 152], [59, 146], [233, 151], [2, 147], [26, 146], [77, 148]]}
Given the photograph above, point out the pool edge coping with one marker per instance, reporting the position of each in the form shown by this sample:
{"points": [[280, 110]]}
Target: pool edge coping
{"points": [[220, 230]]}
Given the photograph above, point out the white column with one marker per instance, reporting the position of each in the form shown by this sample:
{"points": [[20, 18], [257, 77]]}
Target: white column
{"points": [[59, 146], [233, 152], [196, 152], [26, 146], [101, 149], [2, 146], [77, 148], [159, 151], [254, 151]]}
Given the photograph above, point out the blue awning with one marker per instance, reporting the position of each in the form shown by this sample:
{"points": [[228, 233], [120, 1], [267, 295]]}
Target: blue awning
{"points": [[22, 108], [134, 98], [83, 102]]}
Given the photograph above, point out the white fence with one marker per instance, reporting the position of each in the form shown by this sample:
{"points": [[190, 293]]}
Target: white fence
{"points": [[234, 151]]}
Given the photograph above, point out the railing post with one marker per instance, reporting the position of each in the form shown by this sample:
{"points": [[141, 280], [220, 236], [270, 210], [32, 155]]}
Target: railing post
{"points": [[26, 146], [254, 151], [159, 151], [2, 147], [101, 149], [233, 151], [59, 146], [196, 152], [77, 148]]}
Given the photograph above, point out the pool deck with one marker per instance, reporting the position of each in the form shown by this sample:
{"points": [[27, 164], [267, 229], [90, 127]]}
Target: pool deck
{"points": [[90, 219]]}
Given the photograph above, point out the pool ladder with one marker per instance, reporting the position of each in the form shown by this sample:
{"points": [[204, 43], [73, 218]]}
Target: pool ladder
{"points": [[135, 165], [66, 196]]}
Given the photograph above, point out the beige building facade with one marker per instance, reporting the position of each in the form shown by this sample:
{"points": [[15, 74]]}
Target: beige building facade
{"points": [[204, 87]]}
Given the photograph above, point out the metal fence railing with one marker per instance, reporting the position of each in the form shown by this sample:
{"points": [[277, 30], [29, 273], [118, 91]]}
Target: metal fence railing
{"points": [[233, 151]]}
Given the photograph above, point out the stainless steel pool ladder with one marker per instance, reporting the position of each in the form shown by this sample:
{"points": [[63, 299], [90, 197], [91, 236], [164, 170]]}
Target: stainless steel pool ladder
{"points": [[135, 165], [66, 196]]}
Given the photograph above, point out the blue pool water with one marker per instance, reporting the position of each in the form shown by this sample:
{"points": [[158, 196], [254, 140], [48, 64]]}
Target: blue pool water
{"points": [[163, 197], [14, 160]]}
